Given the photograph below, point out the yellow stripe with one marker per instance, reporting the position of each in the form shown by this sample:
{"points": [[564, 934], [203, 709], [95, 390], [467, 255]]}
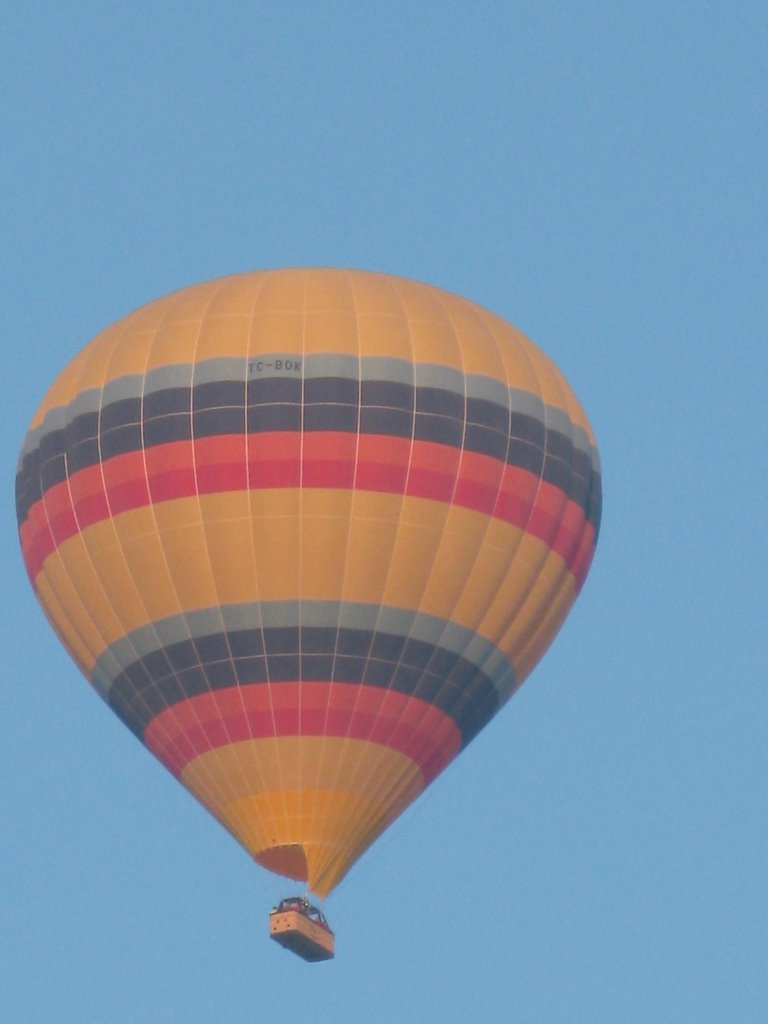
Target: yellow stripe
{"points": [[295, 762], [330, 796], [442, 560], [76, 632], [74, 378], [331, 848], [330, 319], [533, 641], [314, 311]]}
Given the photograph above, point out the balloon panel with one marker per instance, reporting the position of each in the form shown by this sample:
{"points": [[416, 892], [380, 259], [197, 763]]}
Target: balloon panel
{"points": [[305, 532]]}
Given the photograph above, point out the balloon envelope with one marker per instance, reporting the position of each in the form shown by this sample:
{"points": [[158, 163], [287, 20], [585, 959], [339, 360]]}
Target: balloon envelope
{"points": [[305, 532]]}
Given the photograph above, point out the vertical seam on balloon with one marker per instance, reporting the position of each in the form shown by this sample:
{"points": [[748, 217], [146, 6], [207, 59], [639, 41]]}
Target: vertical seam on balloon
{"points": [[119, 340], [345, 739], [304, 315], [65, 413], [453, 704], [522, 352], [216, 792], [487, 517], [563, 575], [106, 496], [380, 813], [514, 613], [256, 596], [340, 601], [111, 518], [213, 790], [220, 285], [367, 822], [251, 490], [415, 612], [457, 473], [261, 603], [563, 572], [65, 409], [492, 595], [450, 706]]}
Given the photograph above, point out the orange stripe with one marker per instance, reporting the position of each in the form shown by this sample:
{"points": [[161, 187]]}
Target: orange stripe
{"points": [[329, 796]]}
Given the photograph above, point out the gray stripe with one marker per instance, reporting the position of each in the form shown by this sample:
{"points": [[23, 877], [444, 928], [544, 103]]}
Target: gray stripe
{"points": [[346, 367], [54, 420], [123, 387], [179, 375], [209, 371], [265, 366], [395, 371], [492, 390], [329, 614], [86, 401], [443, 377], [558, 421]]}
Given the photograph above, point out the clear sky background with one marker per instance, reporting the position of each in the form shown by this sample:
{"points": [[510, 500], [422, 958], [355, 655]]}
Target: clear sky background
{"points": [[595, 172]]}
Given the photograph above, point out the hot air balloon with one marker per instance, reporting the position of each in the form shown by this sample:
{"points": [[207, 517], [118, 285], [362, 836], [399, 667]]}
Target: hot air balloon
{"points": [[305, 532]]}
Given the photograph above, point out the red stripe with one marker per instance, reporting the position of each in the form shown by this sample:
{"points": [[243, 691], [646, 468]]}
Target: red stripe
{"points": [[212, 465], [259, 710]]}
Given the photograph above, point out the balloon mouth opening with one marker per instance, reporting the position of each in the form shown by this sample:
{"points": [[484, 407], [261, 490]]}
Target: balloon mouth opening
{"points": [[289, 860]]}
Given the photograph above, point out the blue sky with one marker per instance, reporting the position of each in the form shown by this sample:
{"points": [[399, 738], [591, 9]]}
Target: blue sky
{"points": [[593, 172]]}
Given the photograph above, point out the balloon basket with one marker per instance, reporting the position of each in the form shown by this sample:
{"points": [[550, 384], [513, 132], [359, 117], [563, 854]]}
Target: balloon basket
{"points": [[302, 928]]}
